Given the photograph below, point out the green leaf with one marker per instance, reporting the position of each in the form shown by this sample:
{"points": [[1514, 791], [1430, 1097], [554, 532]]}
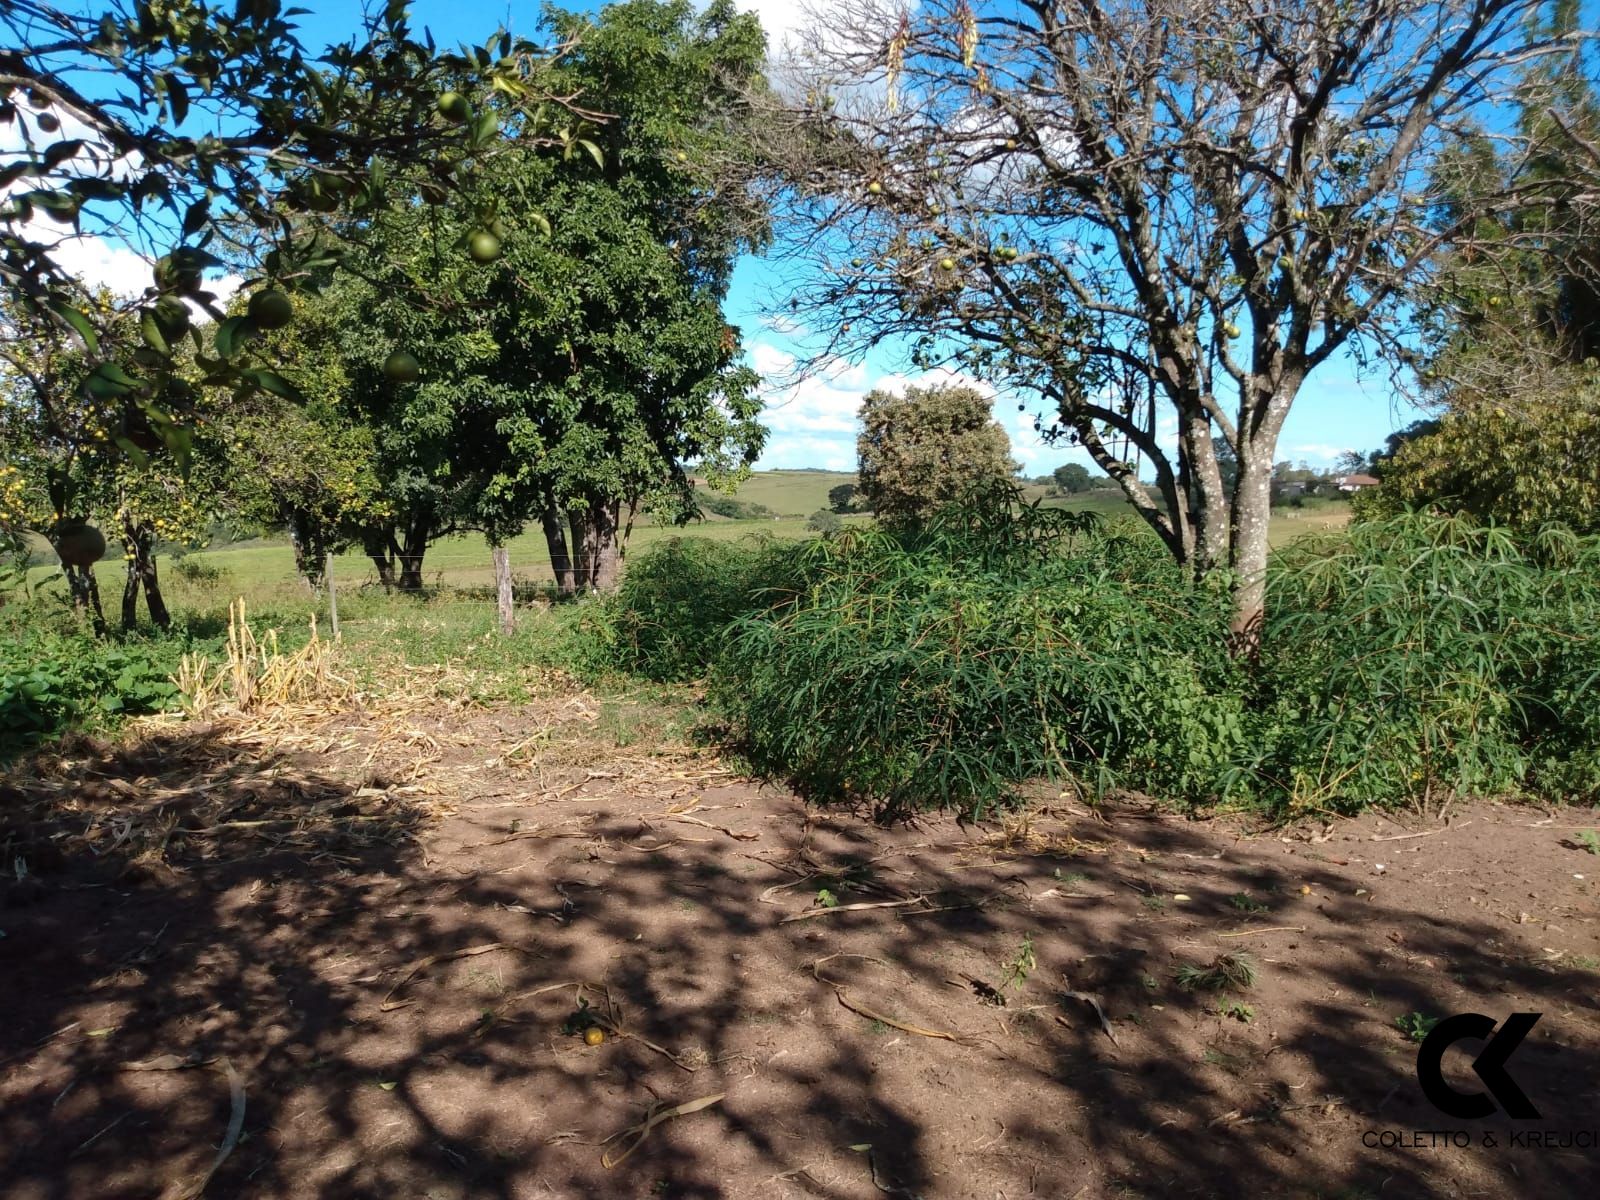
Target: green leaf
{"points": [[79, 322], [197, 215], [150, 330], [594, 152], [271, 381], [135, 454], [177, 98], [232, 334], [109, 381], [484, 128], [57, 154]]}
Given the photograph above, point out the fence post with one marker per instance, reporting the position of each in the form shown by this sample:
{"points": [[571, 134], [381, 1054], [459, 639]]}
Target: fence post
{"points": [[333, 595]]}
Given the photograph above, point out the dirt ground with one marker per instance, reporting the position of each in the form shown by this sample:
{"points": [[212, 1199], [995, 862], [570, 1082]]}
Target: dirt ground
{"points": [[357, 954]]}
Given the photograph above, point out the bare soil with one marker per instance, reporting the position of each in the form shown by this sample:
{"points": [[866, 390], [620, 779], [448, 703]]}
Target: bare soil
{"points": [[358, 952]]}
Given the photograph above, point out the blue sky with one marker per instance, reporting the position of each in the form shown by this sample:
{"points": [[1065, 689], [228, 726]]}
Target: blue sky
{"points": [[813, 423]]}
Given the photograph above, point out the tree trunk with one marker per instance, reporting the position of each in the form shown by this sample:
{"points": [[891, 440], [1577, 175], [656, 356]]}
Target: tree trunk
{"points": [[582, 558], [139, 541], [1207, 497], [595, 546], [411, 550], [378, 545], [85, 594], [333, 596], [308, 555], [555, 536], [130, 592], [1252, 512], [140, 544], [153, 599], [605, 547], [502, 590]]}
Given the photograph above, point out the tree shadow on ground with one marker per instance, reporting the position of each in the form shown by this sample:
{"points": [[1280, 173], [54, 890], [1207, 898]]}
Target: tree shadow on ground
{"points": [[400, 981]]}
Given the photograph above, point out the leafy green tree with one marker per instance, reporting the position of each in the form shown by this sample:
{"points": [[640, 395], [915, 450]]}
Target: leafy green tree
{"points": [[1523, 464], [1514, 325], [97, 459], [1072, 478], [841, 499], [52, 432], [568, 371], [927, 447], [185, 127]]}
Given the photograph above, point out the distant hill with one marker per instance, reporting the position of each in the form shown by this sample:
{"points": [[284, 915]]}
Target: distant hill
{"points": [[791, 493]]}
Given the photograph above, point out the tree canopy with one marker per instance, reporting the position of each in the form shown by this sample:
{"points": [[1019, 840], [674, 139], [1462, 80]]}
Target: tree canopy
{"points": [[1073, 477], [563, 370], [1512, 325], [928, 447], [187, 131]]}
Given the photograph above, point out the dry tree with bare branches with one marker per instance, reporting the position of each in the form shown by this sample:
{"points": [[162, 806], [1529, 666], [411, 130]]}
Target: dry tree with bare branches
{"points": [[1130, 210]]}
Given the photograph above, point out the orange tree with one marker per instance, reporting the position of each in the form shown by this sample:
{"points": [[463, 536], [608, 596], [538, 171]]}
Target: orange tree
{"points": [[185, 129], [73, 456], [569, 369]]}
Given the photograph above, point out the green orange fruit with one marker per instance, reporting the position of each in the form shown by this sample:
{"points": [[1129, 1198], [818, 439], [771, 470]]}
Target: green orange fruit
{"points": [[453, 106], [402, 367], [484, 247], [271, 309]]}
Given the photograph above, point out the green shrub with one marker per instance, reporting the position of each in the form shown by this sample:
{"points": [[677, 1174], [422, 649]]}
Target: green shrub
{"points": [[1423, 656], [198, 570], [53, 680], [672, 611], [1415, 658], [942, 667], [825, 520], [737, 510]]}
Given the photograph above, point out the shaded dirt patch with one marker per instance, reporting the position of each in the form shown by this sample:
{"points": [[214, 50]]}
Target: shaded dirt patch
{"points": [[396, 928]]}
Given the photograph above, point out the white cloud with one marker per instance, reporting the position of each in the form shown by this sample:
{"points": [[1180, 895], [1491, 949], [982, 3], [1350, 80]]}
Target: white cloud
{"points": [[795, 25], [782, 20], [99, 262], [771, 362], [98, 258]]}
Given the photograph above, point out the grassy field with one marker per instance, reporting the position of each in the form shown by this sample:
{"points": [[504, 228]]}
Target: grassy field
{"points": [[264, 567], [792, 493]]}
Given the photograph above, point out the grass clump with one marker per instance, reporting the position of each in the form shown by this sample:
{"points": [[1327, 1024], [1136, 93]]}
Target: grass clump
{"points": [[1424, 656], [1404, 661], [1225, 971], [677, 601], [942, 665]]}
